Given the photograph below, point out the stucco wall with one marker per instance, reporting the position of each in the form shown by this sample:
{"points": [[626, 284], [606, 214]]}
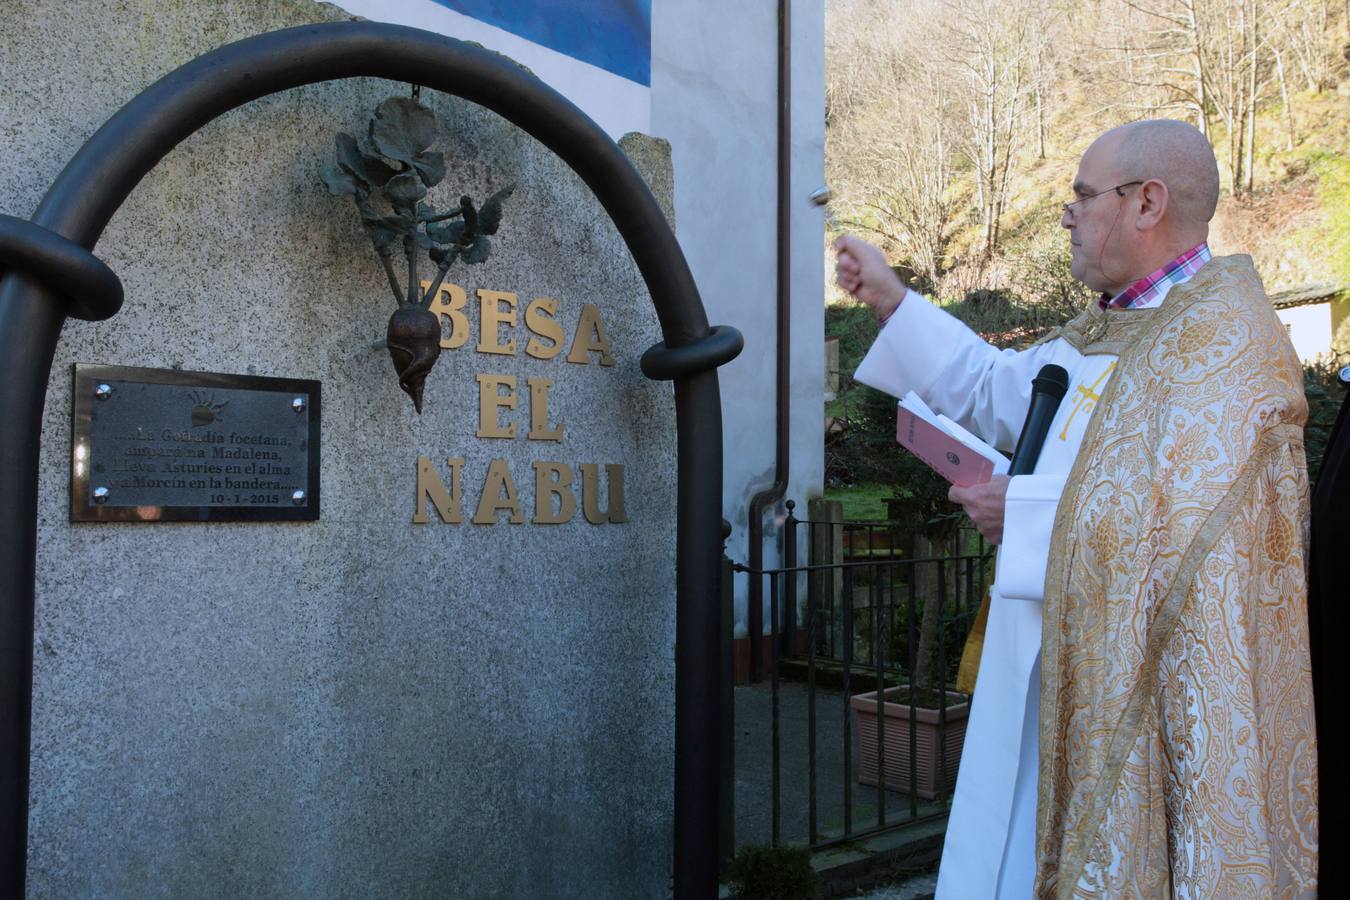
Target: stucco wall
{"points": [[715, 98], [1309, 329]]}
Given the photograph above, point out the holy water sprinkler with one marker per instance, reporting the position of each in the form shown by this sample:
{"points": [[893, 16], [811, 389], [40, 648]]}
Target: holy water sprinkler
{"points": [[821, 197]]}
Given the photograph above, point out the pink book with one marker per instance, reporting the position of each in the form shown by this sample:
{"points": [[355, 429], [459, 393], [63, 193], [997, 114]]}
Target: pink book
{"points": [[960, 464]]}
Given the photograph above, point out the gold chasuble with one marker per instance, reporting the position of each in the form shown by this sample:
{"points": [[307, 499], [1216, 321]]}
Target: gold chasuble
{"points": [[1177, 751]]}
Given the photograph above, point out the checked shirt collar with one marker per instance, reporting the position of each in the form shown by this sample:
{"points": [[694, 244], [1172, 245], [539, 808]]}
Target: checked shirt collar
{"points": [[1150, 290]]}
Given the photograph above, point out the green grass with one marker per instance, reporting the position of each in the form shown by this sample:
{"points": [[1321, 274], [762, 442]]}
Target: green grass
{"points": [[1333, 190], [863, 502]]}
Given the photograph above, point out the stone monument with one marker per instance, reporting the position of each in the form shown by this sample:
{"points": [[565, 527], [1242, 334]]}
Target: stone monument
{"points": [[457, 679]]}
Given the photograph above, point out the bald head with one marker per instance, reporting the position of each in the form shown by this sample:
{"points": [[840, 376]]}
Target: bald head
{"points": [[1179, 156], [1146, 192]]}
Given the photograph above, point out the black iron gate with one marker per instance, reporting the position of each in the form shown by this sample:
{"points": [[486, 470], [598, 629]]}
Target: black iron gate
{"points": [[846, 626]]}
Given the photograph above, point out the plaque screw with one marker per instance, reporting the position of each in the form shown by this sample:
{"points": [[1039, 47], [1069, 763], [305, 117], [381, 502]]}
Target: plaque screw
{"points": [[298, 404], [100, 494], [298, 498], [103, 391], [1345, 375]]}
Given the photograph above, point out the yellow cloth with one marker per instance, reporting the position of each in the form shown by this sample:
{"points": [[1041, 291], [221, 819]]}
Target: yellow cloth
{"points": [[1177, 750], [970, 654]]}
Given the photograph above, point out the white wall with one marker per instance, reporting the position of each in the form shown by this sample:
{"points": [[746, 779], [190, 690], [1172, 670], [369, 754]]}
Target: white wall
{"points": [[714, 97], [1309, 329]]}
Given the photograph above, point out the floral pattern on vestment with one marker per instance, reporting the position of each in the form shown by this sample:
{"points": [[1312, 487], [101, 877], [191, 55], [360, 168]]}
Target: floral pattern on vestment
{"points": [[1177, 748]]}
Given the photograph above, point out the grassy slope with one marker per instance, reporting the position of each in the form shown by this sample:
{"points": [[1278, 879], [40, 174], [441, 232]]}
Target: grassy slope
{"points": [[1295, 225]]}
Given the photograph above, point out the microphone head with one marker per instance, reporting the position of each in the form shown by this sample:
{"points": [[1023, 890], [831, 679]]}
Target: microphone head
{"points": [[1052, 380]]}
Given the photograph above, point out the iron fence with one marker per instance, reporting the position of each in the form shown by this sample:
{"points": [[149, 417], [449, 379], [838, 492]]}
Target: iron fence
{"points": [[852, 618]]}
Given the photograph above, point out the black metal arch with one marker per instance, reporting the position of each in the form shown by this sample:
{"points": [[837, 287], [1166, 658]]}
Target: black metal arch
{"points": [[33, 308], [92, 289]]}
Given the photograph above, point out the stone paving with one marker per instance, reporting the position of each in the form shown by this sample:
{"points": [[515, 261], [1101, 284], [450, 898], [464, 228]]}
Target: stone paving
{"points": [[754, 772], [901, 860], [919, 887]]}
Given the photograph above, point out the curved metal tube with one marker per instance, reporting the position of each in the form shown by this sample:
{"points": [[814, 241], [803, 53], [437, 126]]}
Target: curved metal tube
{"points": [[98, 179], [722, 345], [93, 290]]}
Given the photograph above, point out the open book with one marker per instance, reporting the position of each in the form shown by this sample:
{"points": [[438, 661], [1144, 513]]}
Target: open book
{"points": [[950, 450]]}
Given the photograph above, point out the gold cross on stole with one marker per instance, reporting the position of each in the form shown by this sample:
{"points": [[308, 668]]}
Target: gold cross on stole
{"points": [[1085, 399]]}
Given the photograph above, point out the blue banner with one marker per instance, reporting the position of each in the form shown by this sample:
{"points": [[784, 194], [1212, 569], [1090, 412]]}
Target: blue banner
{"points": [[614, 35]]}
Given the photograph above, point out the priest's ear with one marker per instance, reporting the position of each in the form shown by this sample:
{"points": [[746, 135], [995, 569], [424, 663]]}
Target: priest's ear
{"points": [[1152, 203]]}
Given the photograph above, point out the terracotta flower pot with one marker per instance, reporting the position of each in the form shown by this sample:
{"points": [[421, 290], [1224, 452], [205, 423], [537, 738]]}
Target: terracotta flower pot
{"points": [[928, 777]]}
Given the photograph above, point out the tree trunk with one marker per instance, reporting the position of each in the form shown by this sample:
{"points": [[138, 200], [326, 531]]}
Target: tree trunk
{"points": [[1237, 106], [1198, 65], [1250, 163], [1289, 135], [927, 670], [1040, 126]]}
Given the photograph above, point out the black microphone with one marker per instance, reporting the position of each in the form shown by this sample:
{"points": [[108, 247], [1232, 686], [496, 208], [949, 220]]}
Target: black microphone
{"points": [[1047, 390]]}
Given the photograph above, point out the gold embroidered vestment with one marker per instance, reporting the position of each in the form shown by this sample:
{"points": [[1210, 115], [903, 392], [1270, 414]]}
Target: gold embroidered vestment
{"points": [[1177, 748]]}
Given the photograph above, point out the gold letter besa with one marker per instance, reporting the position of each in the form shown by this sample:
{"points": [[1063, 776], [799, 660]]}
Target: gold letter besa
{"points": [[450, 301], [590, 338], [491, 317], [539, 319]]}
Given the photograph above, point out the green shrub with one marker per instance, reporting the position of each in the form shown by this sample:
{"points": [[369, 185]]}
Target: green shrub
{"points": [[862, 449], [1325, 395], [759, 872]]}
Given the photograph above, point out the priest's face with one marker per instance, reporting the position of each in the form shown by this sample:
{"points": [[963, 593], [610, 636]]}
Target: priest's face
{"points": [[1099, 239]]}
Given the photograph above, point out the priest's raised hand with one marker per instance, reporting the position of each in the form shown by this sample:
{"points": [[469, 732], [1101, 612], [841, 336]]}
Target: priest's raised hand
{"points": [[862, 270]]}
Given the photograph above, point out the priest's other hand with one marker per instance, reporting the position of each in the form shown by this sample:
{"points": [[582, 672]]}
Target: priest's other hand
{"points": [[861, 269], [984, 504]]}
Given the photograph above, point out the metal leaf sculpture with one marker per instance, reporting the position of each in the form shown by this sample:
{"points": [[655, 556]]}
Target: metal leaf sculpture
{"points": [[389, 183]]}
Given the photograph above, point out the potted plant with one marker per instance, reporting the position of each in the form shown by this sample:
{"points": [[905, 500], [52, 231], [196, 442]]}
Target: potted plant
{"points": [[938, 735], [924, 712]]}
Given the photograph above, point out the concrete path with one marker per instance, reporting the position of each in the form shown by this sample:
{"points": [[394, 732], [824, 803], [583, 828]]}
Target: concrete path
{"points": [[917, 888], [754, 704]]}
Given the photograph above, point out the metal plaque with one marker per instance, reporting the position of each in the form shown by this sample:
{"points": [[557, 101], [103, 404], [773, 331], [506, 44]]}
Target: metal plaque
{"points": [[158, 445]]}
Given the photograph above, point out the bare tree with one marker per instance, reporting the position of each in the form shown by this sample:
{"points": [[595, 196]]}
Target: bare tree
{"points": [[990, 43], [1299, 32], [890, 138], [1213, 56]]}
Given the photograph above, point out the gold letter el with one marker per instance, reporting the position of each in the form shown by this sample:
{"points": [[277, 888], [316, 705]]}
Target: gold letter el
{"points": [[489, 401], [539, 430]]}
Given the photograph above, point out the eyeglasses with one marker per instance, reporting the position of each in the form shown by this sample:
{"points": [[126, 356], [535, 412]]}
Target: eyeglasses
{"points": [[1069, 207]]}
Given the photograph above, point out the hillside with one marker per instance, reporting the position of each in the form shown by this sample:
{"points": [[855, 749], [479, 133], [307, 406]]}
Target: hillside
{"points": [[1294, 220]]}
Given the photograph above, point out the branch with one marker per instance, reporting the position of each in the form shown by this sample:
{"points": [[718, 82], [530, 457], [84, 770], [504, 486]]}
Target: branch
{"points": [[1155, 14], [386, 261], [440, 276], [453, 214], [410, 248]]}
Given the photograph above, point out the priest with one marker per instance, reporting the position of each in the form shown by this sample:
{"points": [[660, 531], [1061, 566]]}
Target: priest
{"points": [[1143, 724]]}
